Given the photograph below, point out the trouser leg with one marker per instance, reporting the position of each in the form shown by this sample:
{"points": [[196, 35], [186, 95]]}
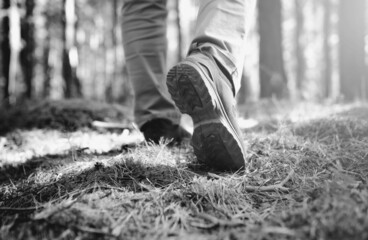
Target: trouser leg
{"points": [[220, 31], [145, 46]]}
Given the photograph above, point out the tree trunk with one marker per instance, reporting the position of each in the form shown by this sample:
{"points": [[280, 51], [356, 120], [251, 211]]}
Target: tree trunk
{"points": [[351, 49], [272, 72], [46, 67], [5, 50], [12, 35], [15, 47], [299, 44], [327, 75], [178, 25], [111, 82], [70, 52], [244, 91], [27, 55]]}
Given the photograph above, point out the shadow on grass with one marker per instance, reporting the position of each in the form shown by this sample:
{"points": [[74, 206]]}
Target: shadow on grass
{"points": [[22, 171], [66, 115], [55, 178], [350, 124]]}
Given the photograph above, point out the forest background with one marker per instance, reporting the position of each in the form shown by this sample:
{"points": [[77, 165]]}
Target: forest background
{"points": [[297, 50]]}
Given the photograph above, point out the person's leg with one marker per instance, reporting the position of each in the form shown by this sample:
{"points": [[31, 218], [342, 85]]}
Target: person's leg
{"points": [[221, 31], [144, 39], [204, 84]]}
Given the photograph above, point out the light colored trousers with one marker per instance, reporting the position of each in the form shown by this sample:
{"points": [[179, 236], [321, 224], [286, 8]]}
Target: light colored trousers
{"points": [[220, 31]]}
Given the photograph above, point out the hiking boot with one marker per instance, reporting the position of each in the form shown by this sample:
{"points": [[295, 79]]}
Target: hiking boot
{"points": [[200, 89], [158, 128]]}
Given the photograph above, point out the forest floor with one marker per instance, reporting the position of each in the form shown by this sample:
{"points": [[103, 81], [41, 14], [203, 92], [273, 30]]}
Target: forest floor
{"points": [[61, 177]]}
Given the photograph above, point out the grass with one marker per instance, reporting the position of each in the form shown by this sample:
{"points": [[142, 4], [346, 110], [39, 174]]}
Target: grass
{"points": [[306, 179]]}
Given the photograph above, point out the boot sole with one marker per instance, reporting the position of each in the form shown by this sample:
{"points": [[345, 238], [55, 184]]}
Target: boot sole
{"points": [[214, 140]]}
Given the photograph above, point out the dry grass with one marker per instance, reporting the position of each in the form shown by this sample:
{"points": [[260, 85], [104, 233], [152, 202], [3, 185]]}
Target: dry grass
{"points": [[305, 180]]}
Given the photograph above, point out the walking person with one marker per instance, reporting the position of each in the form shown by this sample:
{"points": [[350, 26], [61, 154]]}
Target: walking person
{"points": [[203, 85]]}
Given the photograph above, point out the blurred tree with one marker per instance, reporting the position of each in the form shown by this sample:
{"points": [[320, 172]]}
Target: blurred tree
{"points": [[353, 80], [70, 51], [2, 79], [49, 44], [273, 81], [327, 75], [299, 43], [244, 91], [46, 66], [11, 46], [179, 29], [27, 54], [111, 80], [5, 49]]}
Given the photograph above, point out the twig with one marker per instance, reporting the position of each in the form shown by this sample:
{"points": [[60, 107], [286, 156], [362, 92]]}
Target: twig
{"points": [[93, 231], [20, 209], [215, 176], [215, 222], [275, 187], [279, 230], [51, 212]]}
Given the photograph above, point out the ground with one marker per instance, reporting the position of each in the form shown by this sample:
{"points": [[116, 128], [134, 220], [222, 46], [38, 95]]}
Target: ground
{"points": [[69, 179]]}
